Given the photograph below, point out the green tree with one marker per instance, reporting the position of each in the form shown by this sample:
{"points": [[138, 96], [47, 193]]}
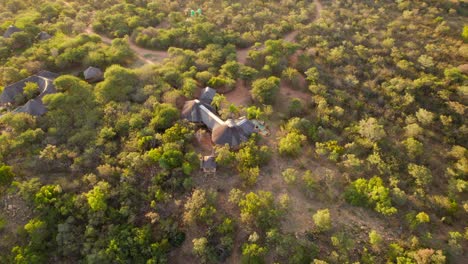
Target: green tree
{"points": [[21, 40], [265, 90], [224, 156], [465, 33], [200, 207], [31, 90], [375, 239], [165, 115], [119, 83], [6, 176], [72, 113], [312, 75], [370, 128], [97, 197], [424, 117], [259, 209], [37, 231], [322, 220], [200, 246], [291, 144], [371, 193], [290, 175], [47, 196], [413, 147], [295, 107], [292, 77], [253, 253], [421, 174]]}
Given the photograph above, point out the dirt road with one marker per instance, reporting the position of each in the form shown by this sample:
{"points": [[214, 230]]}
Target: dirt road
{"points": [[241, 94], [145, 55]]}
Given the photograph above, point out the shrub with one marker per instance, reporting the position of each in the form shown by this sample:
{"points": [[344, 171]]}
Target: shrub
{"points": [[290, 175], [291, 144], [265, 90], [322, 220], [370, 193]]}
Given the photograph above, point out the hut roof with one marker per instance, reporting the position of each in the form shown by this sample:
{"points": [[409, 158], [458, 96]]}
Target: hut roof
{"points": [[246, 125], [33, 107], [229, 133], [210, 119], [207, 95], [93, 74], [43, 79], [43, 35], [10, 31], [48, 75], [196, 111], [208, 162]]}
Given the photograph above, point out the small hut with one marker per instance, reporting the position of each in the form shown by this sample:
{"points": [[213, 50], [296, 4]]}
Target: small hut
{"points": [[93, 74], [207, 95], [10, 31], [43, 36], [208, 164]]}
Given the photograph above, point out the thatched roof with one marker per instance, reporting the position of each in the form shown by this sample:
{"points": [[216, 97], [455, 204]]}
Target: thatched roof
{"points": [[207, 95], [93, 74], [246, 125], [43, 79], [33, 107], [223, 132], [199, 112], [43, 36], [10, 31], [230, 133], [208, 162]]}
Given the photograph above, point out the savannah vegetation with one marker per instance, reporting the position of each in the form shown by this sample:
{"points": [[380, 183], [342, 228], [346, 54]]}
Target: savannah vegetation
{"points": [[366, 161]]}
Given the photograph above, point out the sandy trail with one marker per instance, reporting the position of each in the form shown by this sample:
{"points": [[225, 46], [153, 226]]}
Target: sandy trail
{"points": [[241, 94], [145, 55]]}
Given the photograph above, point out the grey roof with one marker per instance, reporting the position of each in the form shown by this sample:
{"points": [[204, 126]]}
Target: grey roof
{"points": [[207, 95], [43, 35], [47, 74], [246, 125], [210, 119], [43, 79], [193, 112], [93, 74], [33, 107], [10, 31], [209, 162], [223, 132], [229, 133]]}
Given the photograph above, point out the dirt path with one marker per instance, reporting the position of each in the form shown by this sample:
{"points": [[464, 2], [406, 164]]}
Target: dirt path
{"points": [[241, 94], [145, 55], [242, 55]]}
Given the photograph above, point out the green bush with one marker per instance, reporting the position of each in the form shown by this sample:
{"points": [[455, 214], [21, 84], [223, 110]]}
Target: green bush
{"points": [[370, 193]]}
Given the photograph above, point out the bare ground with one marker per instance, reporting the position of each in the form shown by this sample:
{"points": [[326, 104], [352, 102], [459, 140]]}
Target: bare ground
{"points": [[240, 95], [16, 214]]}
